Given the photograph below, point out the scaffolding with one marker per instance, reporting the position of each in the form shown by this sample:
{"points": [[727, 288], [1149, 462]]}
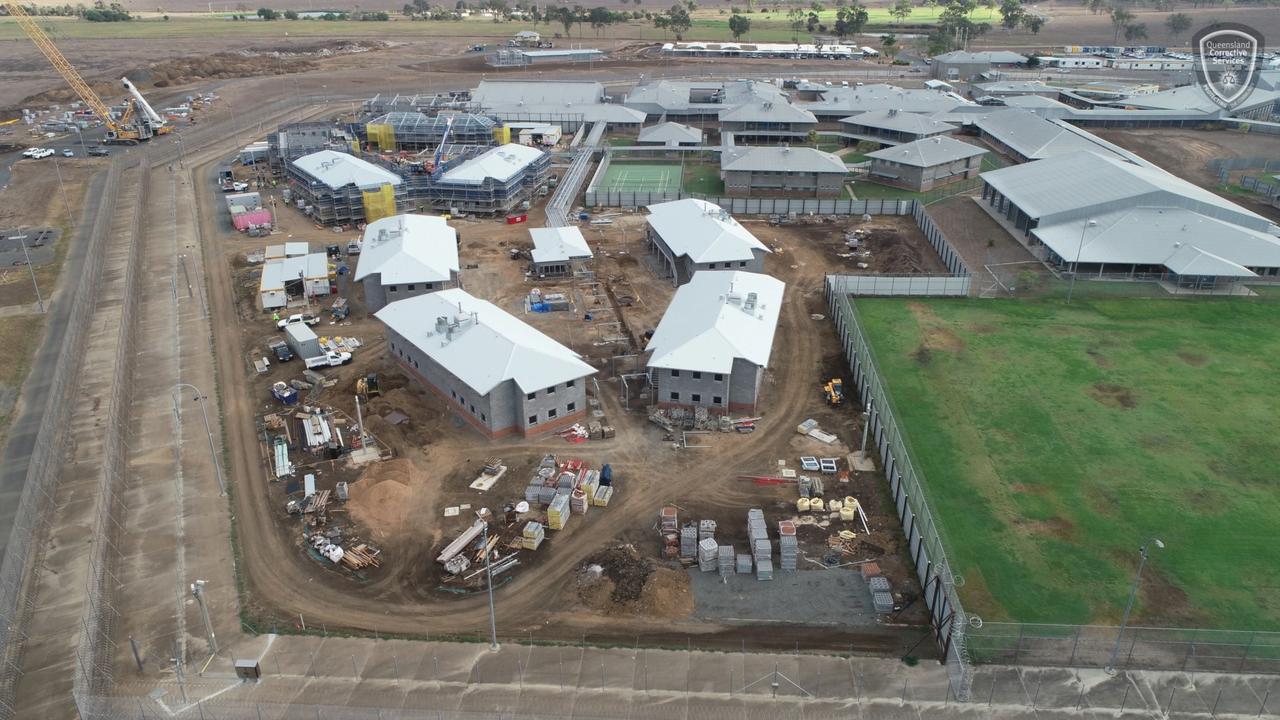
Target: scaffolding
{"points": [[415, 131], [426, 104]]}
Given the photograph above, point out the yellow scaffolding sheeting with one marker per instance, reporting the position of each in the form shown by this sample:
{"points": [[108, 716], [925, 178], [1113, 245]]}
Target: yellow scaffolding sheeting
{"points": [[379, 203], [502, 135], [382, 135]]}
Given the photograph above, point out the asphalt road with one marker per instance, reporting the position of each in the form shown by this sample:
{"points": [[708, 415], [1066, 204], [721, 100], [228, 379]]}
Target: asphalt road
{"points": [[34, 400], [72, 142]]}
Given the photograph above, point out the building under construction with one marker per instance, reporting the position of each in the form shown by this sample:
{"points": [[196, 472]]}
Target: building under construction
{"points": [[340, 189], [487, 181], [415, 131]]}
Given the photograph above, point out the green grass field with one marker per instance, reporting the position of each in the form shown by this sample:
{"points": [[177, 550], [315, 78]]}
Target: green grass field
{"points": [[640, 177], [704, 179], [1056, 439]]}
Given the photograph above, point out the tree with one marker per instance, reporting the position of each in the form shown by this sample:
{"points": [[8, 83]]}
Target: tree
{"points": [[901, 10], [1011, 14], [564, 16], [850, 20], [890, 44], [991, 6], [407, 11], [599, 17], [1119, 18], [1033, 23], [267, 14], [811, 23], [796, 16], [679, 21], [1135, 31], [1097, 6], [739, 26], [1178, 23], [293, 14]]}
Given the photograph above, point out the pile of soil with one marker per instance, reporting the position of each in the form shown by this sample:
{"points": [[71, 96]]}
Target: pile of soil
{"points": [[619, 581], [380, 499]]}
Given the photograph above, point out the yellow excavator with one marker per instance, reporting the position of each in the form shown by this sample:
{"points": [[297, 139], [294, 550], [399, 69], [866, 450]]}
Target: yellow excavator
{"points": [[138, 122], [834, 391]]}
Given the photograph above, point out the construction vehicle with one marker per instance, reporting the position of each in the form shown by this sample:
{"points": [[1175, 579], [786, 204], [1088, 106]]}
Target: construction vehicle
{"points": [[367, 386], [137, 123], [834, 390]]}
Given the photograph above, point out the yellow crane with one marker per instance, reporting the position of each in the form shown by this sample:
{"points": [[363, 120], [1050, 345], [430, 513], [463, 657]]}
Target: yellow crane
{"points": [[138, 122]]}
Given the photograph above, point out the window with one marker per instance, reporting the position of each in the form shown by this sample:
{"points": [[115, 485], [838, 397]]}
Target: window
{"points": [[719, 377], [391, 288], [696, 397], [712, 266], [411, 287], [570, 383], [675, 396], [530, 396], [742, 263], [675, 373], [533, 419], [717, 400], [697, 375], [570, 407], [473, 409], [551, 413], [483, 418], [551, 390]]}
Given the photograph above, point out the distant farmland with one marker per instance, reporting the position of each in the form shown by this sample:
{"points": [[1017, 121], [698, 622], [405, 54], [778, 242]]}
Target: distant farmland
{"points": [[1055, 439]]}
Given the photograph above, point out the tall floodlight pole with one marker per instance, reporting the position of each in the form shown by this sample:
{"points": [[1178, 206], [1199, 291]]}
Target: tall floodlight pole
{"points": [[1076, 265], [213, 453], [1110, 669], [39, 299], [197, 589], [488, 571]]}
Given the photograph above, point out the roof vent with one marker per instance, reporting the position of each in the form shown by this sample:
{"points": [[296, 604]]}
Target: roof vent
{"points": [[750, 305]]}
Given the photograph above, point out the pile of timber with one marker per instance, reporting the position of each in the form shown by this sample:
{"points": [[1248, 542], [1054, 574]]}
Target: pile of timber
{"points": [[361, 556]]}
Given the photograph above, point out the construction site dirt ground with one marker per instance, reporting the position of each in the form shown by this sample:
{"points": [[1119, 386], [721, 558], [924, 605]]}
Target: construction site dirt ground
{"points": [[398, 505]]}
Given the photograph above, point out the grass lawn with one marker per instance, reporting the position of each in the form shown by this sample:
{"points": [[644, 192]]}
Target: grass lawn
{"points": [[1057, 438], [703, 179], [866, 190]]}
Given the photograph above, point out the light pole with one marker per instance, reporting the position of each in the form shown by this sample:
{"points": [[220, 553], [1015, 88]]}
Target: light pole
{"points": [[488, 571], [201, 397], [80, 133], [39, 300], [197, 589], [1075, 265], [1110, 669]]}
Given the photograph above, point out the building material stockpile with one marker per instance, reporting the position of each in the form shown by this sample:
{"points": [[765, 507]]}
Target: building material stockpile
{"points": [[668, 526], [761, 547], [708, 555], [724, 560], [787, 545], [573, 478]]}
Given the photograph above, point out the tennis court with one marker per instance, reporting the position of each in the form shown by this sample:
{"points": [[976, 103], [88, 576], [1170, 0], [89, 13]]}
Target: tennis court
{"points": [[640, 177]]}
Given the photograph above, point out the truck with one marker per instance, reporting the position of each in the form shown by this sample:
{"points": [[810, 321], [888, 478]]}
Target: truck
{"points": [[353, 246], [329, 359], [281, 350], [298, 318]]}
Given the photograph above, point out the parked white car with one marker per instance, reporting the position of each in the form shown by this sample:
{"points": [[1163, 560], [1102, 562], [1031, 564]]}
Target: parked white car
{"points": [[41, 153], [300, 318]]}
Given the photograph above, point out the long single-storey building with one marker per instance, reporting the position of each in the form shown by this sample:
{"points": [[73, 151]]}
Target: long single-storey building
{"points": [[500, 375], [691, 235], [772, 171], [669, 134], [558, 251], [926, 164], [893, 127], [713, 344], [406, 255]]}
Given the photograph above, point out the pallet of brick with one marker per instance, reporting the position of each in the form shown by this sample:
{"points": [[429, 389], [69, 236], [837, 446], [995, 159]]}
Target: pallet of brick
{"points": [[602, 496], [558, 512], [762, 550], [708, 555], [724, 560], [764, 569], [882, 602], [879, 584], [667, 517], [689, 541], [578, 502], [532, 535], [870, 570], [744, 564], [787, 545], [706, 529], [533, 494]]}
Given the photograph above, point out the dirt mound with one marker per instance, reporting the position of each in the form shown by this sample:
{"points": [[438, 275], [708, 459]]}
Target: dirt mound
{"points": [[619, 581], [1116, 396], [381, 498]]}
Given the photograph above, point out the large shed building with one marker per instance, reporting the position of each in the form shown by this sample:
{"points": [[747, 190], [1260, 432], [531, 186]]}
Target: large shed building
{"points": [[500, 375], [691, 235], [713, 344], [406, 255], [772, 171]]}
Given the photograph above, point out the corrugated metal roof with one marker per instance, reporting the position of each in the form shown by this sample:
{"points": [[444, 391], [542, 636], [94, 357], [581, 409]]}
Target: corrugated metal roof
{"points": [[715, 317], [999, 57], [409, 249], [275, 273], [783, 159], [1074, 182], [500, 163], [899, 121], [670, 132], [481, 344], [768, 110], [870, 98], [337, 170], [1152, 235], [703, 231], [1191, 260], [558, 244], [928, 152], [562, 93], [1036, 137]]}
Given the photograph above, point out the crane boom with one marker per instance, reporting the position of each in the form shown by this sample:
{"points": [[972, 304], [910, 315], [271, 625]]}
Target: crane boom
{"points": [[142, 102], [60, 62]]}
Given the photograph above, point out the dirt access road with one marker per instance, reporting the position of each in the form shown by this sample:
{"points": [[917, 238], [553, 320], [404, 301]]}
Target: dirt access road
{"points": [[283, 583]]}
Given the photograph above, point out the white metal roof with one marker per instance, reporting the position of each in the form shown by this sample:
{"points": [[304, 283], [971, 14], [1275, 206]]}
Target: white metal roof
{"points": [[337, 170], [292, 248], [703, 231], [930, 151], [716, 317], [1161, 236], [506, 93], [899, 122], [668, 132], [558, 244], [780, 158], [409, 249], [878, 96], [1035, 137], [500, 163], [275, 273], [1072, 183], [481, 344]]}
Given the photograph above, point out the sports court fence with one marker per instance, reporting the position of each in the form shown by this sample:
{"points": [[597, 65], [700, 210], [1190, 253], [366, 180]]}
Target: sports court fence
{"points": [[902, 285], [924, 533], [754, 206], [938, 240]]}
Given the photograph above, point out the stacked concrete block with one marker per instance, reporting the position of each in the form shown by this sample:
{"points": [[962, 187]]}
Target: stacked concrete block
{"points": [[533, 535], [764, 569], [724, 560], [744, 565], [688, 541], [881, 597], [706, 529], [787, 545], [708, 555]]}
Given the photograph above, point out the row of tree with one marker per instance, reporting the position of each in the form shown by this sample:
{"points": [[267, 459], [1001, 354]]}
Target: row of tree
{"points": [[100, 11], [269, 14]]}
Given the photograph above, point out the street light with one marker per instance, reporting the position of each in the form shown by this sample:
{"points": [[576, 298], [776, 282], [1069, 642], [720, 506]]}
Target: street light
{"points": [[201, 397], [1110, 669], [197, 590], [488, 571], [1075, 265]]}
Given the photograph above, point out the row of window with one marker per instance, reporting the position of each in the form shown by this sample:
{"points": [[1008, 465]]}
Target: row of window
{"points": [[552, 414], [472, 407], [550, 391], [410, 287], [727, 266], [697, 398], [698, 375]]}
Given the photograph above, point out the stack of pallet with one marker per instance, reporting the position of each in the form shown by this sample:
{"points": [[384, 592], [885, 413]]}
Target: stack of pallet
{"points": [[761, 547], [558, 512], [724, 560], [708, 554], [881, 598], [706, 529], [602, 496], [688, 541], [744, 565], [533, 535], [787, 545], [578, 502], [670, 532]]}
